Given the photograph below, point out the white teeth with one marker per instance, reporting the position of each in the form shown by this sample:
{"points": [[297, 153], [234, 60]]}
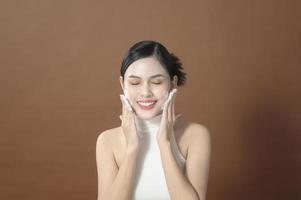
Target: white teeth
{"points": [[146, 104]]}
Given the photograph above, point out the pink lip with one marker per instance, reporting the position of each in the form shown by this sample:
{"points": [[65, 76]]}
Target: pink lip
{"points": [[146, 101], [147, 107]]}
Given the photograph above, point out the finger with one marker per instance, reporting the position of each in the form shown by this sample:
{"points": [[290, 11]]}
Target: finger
{"points": [[134, 125], [164, 115], [122, 103], [172, 109], [127, 103], [178, 116], [131, 118], [125, 111], [173, 105], [169, 109], [129, 111], [165, 107], [170, 106]]}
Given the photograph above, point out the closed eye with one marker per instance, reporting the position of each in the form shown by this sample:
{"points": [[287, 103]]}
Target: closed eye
{"points": [[157, 83]]}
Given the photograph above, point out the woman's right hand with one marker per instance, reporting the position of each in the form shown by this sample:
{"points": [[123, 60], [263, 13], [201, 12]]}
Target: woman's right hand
{"points": [[128, 125]]}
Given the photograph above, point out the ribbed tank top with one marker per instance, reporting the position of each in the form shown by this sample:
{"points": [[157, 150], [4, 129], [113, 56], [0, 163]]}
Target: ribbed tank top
{"points": [[150, 182]]}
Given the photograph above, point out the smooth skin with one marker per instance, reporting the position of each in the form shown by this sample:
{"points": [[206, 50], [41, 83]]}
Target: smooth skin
{"points": [[117, 151]]}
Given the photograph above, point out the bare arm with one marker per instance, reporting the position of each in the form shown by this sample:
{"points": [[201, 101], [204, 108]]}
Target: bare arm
{"points": [[193, 184], [178, 185], [198, 160], [114, 183]]}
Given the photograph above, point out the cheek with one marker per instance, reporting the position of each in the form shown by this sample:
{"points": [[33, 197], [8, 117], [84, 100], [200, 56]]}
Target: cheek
{"points": [[129, 91], [162, 94], [165, 96], [130, 94]]}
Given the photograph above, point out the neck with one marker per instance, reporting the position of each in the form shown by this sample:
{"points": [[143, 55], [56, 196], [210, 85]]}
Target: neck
{"points": [[148, 125]]}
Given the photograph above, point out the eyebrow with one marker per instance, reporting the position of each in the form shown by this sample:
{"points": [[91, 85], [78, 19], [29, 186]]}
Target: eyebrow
{"points": [[154, 76]]}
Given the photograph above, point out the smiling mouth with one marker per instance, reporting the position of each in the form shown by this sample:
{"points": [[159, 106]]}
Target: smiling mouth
{"points": [[146, 105]]}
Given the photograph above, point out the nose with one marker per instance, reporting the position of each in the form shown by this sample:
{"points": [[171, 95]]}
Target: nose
{"points": [[146, 91]]}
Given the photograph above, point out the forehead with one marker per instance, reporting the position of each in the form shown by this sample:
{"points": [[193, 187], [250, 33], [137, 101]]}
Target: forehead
{"points": [[145, 68]]}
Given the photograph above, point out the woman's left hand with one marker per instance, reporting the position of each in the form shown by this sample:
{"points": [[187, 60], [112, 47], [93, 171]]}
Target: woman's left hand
{"points": [[168, 119]]}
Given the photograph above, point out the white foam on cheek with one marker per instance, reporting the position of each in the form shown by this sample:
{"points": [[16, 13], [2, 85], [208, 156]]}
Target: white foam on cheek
{"points": [[126, 94], [127, 99], [166, 95]]}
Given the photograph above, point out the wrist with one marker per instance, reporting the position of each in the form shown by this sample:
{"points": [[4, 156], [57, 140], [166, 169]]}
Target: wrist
{"points": [[132, 151], [163, 143]]}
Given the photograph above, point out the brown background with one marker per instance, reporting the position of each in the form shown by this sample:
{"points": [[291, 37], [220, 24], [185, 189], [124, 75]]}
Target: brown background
{"points": [[59, 85]]}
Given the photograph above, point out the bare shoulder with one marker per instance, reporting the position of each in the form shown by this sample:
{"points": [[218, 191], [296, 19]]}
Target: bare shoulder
{"points": [[109, 137], [113, 140], [198, 135], [188, 133], [193, 131], [198, 130]]}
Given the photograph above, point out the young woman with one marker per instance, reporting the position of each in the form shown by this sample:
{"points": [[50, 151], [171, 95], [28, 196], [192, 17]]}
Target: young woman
{"points": [[155, 153]]}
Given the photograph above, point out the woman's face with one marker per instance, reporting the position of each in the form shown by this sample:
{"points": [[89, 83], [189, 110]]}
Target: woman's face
{"points": [[147, 85]]}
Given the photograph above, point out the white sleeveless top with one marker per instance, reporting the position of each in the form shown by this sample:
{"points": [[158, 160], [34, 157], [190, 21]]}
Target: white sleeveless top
{"points": [[150, 183]]}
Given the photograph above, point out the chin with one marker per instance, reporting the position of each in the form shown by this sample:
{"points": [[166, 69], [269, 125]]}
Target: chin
{"points": [[148, 115]]}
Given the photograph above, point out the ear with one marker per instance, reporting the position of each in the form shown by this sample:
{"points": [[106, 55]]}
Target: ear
{"points": [[174, 82], [121, 82]]}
